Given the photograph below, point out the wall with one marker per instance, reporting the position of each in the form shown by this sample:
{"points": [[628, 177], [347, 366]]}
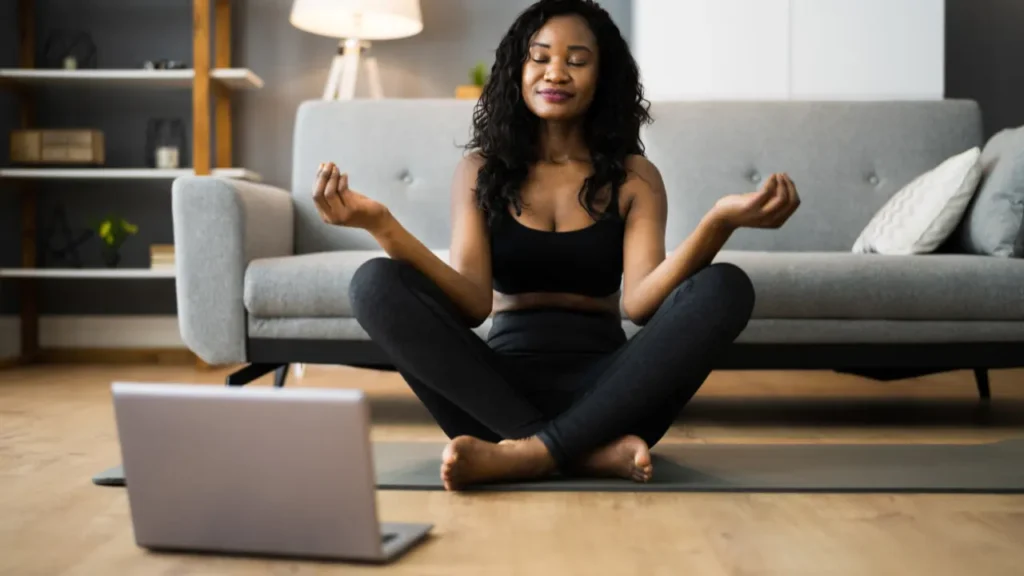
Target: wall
{"points": [[10, 219], [456, 34], [293, 64], [790, 49], [985, 41]]}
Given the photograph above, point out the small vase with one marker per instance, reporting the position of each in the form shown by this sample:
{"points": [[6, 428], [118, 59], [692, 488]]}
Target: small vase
{"points": [[468, 92], [111, 257]]}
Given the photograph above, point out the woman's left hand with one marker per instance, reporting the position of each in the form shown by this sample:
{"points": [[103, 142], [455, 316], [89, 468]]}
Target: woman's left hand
{"points": [[769, 207]]}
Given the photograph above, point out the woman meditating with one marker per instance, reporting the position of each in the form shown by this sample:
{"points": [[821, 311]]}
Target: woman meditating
{"points": [[558, 230]]}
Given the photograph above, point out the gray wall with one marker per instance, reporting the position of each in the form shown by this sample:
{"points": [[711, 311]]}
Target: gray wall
{"points": [[456, 35], [10, 219], [984, 45]]}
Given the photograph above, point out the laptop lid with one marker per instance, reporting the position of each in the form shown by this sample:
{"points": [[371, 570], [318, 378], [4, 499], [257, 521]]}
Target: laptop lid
{"points": [[249, 470]]}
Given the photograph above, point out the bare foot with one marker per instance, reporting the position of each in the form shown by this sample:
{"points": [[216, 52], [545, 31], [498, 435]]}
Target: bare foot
{"points": [[467, 460], [628, 457]]}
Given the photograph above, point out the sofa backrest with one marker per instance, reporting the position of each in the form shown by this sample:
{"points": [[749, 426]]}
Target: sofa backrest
{"points": [[847, 159], [402, 152]]}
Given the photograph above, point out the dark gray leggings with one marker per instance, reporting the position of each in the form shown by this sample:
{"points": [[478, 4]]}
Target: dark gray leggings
{"points": [[570, 378]]}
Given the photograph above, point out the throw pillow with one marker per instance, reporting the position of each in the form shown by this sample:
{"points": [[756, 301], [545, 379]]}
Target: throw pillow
{"points": [[992, 223], [918, 218]]}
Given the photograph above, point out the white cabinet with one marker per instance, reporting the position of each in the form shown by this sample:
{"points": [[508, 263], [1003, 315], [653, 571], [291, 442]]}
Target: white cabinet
{"points": [[790, 49]]}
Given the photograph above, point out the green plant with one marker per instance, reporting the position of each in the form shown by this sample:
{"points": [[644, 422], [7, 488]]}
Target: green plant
{"points": [[114, 230], [478, 74]]}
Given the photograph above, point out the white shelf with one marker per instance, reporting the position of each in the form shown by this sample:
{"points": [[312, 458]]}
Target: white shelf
{"points": [[119, 173], [87, 273], [235, 78]]}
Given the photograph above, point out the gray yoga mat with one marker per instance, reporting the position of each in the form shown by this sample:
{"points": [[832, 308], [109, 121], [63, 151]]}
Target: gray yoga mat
{"points": [[946, 468]]}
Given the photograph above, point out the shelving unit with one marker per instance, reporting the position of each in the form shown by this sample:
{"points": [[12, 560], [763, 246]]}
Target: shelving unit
{"points": [[212, 80], [232, 78], [88, 273], [119, 173]]}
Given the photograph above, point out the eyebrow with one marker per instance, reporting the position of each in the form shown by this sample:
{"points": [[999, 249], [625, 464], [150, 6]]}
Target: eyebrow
{"points": [[573, 47]]}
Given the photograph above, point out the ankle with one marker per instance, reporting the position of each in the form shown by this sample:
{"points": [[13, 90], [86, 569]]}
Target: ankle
{"points": [[535, 454]]}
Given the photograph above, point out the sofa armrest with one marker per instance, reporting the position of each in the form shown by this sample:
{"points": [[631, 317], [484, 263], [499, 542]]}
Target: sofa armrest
{"points": [[220, 225]]}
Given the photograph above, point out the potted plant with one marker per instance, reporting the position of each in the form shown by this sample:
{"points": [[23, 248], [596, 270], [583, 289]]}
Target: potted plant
{"points": [[113, 231], [478, 79]]}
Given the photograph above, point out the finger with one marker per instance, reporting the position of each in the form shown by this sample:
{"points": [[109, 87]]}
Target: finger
{"points": [[342, 187], [756, 201], [331, 197], [792, 186], [790, 206], [319, 181], [767, 190], [777, 198], [794, 198], [319, 186]]}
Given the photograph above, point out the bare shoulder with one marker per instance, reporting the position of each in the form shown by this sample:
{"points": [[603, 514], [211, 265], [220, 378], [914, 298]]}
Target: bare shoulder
{"points": [[471, 162], [642, 171], [643, 181], [464, 180]]}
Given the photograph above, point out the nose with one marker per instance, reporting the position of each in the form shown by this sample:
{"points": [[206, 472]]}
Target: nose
{"points": [[556, 72]]}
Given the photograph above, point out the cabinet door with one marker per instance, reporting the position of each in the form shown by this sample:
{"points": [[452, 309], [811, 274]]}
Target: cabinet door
{"points": [[868, 49]]}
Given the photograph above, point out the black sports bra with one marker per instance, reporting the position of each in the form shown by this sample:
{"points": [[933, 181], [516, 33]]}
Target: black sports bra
{"points": [[586, 261]]}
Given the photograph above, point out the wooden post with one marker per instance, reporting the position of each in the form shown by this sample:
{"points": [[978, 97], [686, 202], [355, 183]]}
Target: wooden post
{"points": [[29, 297], [222, 99], [201, 86]]}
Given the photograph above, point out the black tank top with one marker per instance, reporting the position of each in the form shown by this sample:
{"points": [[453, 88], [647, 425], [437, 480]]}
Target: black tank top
{"points": [[586, 261]]}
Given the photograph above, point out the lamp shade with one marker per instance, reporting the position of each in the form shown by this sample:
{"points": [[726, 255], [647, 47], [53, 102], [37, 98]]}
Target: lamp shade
{"points": [[361, 19]]}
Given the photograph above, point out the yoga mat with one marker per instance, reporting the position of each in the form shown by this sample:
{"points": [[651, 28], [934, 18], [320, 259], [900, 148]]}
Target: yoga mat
{"points": [[939, 468]]}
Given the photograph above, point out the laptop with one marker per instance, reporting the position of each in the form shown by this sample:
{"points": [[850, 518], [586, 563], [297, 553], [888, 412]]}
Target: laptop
{"points": [[256, 470]]}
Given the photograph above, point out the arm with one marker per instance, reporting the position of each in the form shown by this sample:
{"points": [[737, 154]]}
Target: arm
{"points": [[467, 281], [221, 225], [648, 275]]}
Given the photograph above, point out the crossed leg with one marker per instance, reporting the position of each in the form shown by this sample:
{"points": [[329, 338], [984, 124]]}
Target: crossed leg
{"points": [[474, 394]]}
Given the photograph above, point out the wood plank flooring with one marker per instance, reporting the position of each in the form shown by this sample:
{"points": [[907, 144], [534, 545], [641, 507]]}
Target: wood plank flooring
{"points": [[56, 430]]}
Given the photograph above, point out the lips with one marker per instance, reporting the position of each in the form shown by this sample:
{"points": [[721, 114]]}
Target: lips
{"points": [[551, 95]]}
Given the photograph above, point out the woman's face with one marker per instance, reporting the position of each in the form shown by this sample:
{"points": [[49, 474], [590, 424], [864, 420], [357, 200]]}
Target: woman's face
{"points": [[560, 73]]}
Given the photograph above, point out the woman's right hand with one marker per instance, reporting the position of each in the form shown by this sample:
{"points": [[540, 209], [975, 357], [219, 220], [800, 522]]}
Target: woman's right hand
{"points": [[342, 206]]}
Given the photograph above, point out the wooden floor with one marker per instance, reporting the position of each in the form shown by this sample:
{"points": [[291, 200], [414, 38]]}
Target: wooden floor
{"points": [[56, 430]]}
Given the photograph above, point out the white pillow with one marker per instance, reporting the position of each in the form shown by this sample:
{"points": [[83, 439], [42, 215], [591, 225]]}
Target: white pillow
{"points": [[919, 218]]}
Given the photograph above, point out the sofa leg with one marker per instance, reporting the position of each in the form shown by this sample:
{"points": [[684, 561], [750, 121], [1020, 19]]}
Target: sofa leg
{"points": [[280, 376], [981, 378], [254, 371]]}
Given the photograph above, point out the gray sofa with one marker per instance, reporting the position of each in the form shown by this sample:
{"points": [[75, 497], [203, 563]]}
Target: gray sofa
{"points": [[262, 280]]}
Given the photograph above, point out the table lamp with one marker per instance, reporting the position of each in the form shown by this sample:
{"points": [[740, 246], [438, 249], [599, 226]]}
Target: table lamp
{"points": [[355, 23]]}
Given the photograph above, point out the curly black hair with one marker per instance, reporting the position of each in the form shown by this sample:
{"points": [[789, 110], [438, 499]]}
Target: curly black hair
{"points": [[505, 130]]}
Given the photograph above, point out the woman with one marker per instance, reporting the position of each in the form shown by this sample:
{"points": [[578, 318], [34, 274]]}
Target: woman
{"points": [[553, 211]]}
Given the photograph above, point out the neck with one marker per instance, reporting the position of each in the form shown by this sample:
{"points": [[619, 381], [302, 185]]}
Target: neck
{"points": [[561, 142]]}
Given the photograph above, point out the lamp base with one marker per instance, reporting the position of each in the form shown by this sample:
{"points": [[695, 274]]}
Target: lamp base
{"points": [[341, 80]]}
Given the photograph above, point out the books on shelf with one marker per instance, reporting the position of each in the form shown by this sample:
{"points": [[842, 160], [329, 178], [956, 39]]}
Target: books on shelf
{"points": [[161, 256]]}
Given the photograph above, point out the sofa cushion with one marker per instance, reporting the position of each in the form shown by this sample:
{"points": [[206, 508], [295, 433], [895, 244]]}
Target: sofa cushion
{"points": [[838, 285], [305, 286], [993, 223], [922, 215], [821, 285]]}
